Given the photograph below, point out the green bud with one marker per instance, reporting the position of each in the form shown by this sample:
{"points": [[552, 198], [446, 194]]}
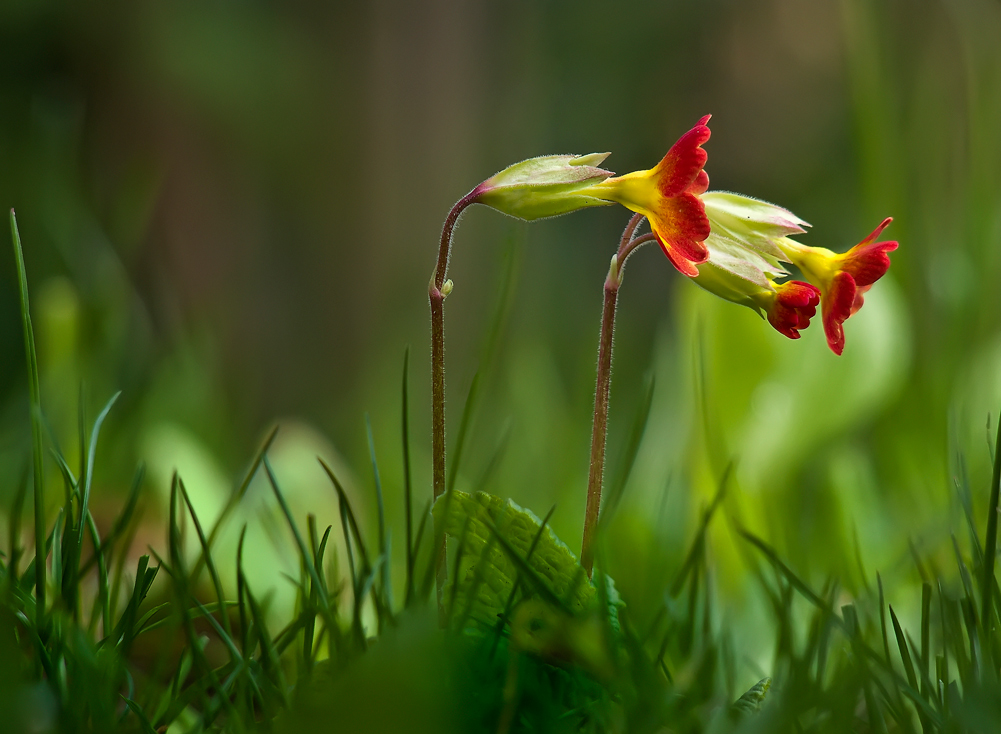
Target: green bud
{"points": [[544, 187]]}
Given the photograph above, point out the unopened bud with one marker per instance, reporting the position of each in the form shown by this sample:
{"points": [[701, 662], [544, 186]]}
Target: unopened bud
{"points": [[446, 288], [544, 187]]}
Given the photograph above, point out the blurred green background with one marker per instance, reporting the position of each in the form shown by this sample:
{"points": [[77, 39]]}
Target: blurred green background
{"points": [[230, 212]]}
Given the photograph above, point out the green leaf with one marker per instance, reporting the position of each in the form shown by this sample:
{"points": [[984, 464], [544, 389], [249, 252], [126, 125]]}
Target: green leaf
{"points": [[751, 701], [547, 568]]}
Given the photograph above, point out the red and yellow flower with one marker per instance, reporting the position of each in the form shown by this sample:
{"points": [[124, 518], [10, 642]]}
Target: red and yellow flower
{"points": [[668, 195], [734, 246], [843, 279]]}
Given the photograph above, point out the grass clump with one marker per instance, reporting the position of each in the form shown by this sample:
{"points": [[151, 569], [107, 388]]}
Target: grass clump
{"points": [[97, 638]]}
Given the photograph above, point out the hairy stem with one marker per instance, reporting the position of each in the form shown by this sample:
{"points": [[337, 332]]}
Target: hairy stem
{"points": [[437, 291], [599, 426]]}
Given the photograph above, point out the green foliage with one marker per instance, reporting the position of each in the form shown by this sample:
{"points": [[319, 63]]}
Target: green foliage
{"points": [[530, 642]]}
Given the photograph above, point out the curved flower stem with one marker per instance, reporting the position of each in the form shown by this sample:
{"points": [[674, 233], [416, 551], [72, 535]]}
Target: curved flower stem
{"points": [[438, 289], [599, 428]]}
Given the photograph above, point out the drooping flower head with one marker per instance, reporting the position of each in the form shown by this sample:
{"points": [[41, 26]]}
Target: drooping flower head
{"points": [[669, 196], [751, 280], [745, 260], [843, 279], [734, 246]]}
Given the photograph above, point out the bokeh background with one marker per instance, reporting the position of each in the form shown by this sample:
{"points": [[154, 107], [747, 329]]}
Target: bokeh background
{"points": [[230, 211]]}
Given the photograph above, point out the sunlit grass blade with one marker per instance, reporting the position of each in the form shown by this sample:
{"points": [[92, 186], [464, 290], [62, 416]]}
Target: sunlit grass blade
{"points": [[303, 551], [234, 500], [35, 402], [207, 555], [182, 592]]}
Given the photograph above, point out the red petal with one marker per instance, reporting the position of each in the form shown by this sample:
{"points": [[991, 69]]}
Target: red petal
{"points": [[685, 267], [700, 185], [860, 292], [876, 232], [678, 170], [868, 262], [681, 224], [795, 304], [837, 307]]}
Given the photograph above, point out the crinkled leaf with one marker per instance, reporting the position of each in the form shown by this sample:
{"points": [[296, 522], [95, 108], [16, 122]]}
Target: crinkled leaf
{"points": [[487, 570], [751, 701]]}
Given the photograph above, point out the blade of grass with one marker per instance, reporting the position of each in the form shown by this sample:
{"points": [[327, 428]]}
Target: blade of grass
{"points": [[184, 596], [102, 576], [882, 619], [241, 594], [459, 551], [147, 728], [310, 602], [14, 520], [905, 655], [206, 553], [387, 587], [490, 469], [700, 534], [460, 441], [407, 483], [303, 552], [990, 546], [234, 500], [82, 512], [121, 523], [926, 634], [787, 572], [35, 401]]}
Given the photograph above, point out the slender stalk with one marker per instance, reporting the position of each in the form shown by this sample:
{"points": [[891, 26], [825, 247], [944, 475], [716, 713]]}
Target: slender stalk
{"points": [[599, 426], [438, 289]]}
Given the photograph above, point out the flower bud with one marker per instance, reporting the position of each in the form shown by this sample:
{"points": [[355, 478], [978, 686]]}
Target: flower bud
{"points": [[544, 187]]}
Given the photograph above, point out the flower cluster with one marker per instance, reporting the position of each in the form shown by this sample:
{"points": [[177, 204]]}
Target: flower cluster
{"points": [[731, 245], [735, 246]]}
